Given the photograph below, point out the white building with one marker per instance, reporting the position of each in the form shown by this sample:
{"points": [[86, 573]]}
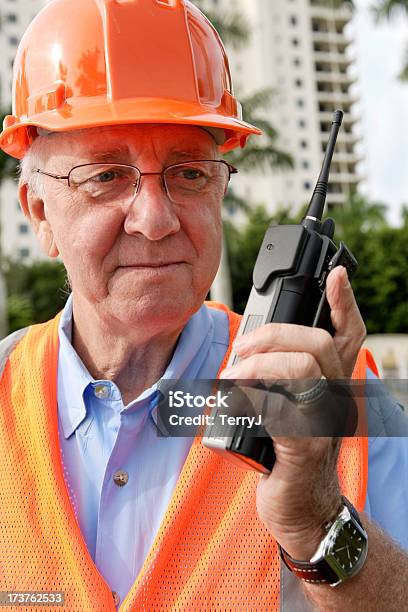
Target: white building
{"points": [[300, 50], [18, 241]]}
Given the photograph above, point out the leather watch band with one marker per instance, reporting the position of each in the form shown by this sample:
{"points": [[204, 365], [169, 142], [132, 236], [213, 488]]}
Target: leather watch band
{"points": [[319, 572]]}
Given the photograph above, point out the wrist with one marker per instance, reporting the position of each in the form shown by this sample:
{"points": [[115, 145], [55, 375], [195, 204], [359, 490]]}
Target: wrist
{"points": [[301, 543]]}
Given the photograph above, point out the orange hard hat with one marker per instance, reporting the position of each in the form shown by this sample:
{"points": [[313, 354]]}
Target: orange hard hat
{"points": [[87, 63]]}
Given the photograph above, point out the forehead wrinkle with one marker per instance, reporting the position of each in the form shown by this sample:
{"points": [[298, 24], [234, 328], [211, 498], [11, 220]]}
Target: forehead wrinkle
{"points": [[191, 152], [111, 152]]}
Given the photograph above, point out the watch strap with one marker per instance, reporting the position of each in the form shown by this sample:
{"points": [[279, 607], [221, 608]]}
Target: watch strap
{"points": [[309, 572]]}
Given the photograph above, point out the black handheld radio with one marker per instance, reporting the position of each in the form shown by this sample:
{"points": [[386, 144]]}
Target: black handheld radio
{"points": [[289, 281]]}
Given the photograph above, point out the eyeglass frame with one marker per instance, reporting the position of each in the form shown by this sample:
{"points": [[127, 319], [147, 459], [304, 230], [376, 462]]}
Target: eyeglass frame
{"points": [[231, 169]]}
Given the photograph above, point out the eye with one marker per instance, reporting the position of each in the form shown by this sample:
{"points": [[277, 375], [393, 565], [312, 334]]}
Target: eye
{"points": [[190, 173], [105, 177]]}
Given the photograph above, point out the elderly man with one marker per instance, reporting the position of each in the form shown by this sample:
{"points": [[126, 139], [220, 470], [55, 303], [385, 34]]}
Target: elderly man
{"points": [[121, 111]]}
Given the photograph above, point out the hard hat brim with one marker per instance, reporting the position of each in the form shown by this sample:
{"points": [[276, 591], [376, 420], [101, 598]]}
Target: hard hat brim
{"points": [[15, 140]]}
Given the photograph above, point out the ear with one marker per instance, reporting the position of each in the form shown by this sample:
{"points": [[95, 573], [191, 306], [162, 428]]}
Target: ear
{"points": [[34, 209]]}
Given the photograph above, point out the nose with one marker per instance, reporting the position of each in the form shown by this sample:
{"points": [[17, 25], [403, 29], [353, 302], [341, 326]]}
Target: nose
{"points": [[151, 212]]}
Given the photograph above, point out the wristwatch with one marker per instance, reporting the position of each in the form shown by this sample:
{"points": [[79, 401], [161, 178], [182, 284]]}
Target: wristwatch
{"points": [[340, 555]]}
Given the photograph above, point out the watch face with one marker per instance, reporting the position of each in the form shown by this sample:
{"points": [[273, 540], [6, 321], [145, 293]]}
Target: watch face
{"points": [[349, 547]]}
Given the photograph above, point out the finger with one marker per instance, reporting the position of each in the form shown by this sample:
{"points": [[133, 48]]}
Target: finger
{"points": [[346, 317], [285, 337], [273, 366]]}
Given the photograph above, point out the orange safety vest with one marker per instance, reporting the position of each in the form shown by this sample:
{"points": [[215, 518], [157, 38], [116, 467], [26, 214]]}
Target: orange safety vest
{"points": [[212, 552]]}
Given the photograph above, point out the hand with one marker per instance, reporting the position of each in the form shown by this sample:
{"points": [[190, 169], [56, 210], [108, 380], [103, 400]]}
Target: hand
{"points": [[302, 492]]}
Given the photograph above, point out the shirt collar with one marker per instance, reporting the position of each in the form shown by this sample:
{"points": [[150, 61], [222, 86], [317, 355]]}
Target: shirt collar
{"points": [[73, 377]]}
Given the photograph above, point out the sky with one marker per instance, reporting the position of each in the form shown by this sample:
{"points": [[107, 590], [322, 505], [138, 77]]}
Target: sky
{"points": [[380, 50]]}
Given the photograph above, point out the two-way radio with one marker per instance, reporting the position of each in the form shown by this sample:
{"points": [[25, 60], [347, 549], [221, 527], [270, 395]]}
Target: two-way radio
{"points": [[289, 286]]}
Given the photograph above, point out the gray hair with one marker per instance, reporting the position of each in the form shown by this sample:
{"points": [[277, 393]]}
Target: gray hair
{"points": [[32, 160]]}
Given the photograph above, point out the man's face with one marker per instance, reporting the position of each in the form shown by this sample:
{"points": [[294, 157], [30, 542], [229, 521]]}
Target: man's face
{"points": [[148, 262]]}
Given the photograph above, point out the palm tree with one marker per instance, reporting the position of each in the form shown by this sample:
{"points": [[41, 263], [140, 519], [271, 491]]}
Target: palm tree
{"points": [[8, 166], [387, 9], [360, 215], [231, 26]]}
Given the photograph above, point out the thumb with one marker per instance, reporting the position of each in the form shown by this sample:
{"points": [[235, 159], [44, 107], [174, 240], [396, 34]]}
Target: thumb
{"points": [[346, 318]]}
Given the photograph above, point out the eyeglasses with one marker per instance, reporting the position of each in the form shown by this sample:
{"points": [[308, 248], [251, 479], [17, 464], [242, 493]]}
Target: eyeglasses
{"points": [[183, 183]]}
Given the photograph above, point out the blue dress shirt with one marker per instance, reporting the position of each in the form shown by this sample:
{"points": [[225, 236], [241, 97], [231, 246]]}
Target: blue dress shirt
{"points": [[120, 474]]}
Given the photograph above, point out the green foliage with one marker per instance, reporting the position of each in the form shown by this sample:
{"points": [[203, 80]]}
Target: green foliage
{"points": [[20, 311], [381, 282], [380, 285], [336, 4], [35, 293]]}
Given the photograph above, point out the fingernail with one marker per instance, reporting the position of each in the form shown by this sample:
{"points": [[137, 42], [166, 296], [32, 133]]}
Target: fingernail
{"points": [[346, 280]]}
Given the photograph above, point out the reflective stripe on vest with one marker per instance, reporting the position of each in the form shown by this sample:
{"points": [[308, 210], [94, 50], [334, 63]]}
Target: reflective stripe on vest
{"points": [[211, 552]]}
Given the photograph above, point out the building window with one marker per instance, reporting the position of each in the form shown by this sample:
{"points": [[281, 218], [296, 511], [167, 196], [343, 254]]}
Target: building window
{"points": [[293, 20], [295, 42], [299, 82], [11, 17], [24, 252], [303, 144], [305, 164], [300, 103], [11, 62], [13, 41], [297, 61], [307, 185], [18, 205], [23, 228], [302, 123]]}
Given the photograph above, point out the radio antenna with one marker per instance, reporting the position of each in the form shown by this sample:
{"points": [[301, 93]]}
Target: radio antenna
{"points": [[318, 199]]}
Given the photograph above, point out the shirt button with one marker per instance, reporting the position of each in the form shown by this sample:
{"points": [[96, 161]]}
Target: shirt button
{"points": [[116, 598], [101, 391], [120, 478]]}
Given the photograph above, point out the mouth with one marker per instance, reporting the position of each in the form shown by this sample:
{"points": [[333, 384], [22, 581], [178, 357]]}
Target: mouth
{"points": [[164, 264]]}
